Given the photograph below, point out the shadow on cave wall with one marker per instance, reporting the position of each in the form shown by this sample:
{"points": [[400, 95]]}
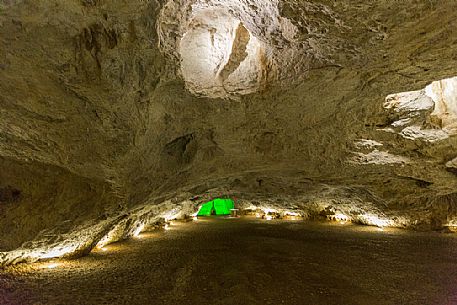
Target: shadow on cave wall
{"points": [[35, 196]]}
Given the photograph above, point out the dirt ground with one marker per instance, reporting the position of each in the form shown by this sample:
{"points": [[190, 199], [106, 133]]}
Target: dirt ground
{"points": [[248, 261]]}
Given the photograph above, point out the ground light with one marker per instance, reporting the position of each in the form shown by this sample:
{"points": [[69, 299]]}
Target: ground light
{"points": [[341, 218], [50, 265], [57, 252], [375, 220], [220, 206], [138, 230], [290, 215]]}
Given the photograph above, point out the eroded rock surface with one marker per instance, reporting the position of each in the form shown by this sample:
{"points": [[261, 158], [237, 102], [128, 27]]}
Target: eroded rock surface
{"points": [[103, 116]]}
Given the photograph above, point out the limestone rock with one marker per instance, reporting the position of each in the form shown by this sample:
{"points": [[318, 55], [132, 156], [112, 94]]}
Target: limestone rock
{"points": [[127, 110], [451, 166]]}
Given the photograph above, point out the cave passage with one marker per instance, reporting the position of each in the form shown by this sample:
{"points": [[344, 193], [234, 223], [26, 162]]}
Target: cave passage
{"points": [[217, 206], [249, 261], [183, 151]]}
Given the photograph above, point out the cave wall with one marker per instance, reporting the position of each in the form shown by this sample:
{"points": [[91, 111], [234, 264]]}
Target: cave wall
{"points": [[95, 117]]}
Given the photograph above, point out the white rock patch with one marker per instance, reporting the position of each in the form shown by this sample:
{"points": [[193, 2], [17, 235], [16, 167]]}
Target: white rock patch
{"points": [[428, 135], [444, 95], [435, 105], [220, 57], [379, 158], [365, 143]]}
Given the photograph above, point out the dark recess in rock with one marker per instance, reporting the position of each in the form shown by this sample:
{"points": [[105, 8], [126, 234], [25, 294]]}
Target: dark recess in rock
{"points": [[9, 194], [180, 149]]}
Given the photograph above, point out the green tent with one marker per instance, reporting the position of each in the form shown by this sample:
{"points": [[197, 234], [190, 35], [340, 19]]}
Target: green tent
{"points": [[216, 207]]}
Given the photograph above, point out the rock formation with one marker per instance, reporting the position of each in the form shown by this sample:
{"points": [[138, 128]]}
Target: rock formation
{"points": [[116, 113]]}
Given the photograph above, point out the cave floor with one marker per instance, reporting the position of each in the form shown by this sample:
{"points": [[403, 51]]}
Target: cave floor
{"points": [[249, 261]]}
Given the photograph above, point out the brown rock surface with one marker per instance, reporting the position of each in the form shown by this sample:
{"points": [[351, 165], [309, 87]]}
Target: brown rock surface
{"points": [[96, 118]]}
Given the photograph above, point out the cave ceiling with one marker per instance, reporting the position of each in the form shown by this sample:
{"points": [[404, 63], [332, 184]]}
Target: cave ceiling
{"points": [[109, 105]]}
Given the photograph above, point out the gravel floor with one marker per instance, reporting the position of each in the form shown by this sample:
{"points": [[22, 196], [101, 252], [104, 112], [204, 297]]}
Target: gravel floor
{"points": [[247, 261]]}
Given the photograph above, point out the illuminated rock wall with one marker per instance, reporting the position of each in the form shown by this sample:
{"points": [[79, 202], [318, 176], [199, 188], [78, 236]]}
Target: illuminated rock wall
{"points": [[107, 107]]}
